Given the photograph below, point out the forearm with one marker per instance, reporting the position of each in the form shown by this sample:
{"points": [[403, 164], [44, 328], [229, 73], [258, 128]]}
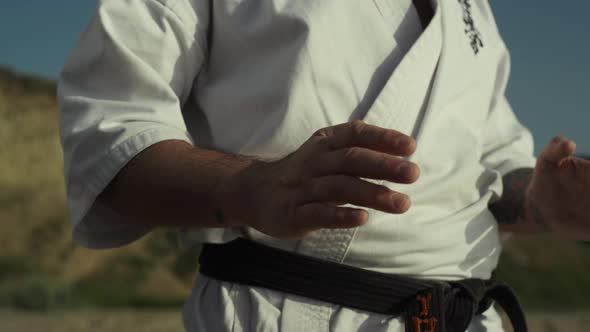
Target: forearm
{"points": [[514, 211], [175, 184]]}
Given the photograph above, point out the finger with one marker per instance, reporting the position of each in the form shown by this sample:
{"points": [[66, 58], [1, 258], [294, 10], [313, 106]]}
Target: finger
{"points": [[555, 153], [336, 203], [355, 191], [365, 163], [579, 166], [358, 133], [583, 165], [314, 216]]}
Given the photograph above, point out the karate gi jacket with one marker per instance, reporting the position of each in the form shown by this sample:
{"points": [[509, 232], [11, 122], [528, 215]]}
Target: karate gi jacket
{"points": [[259, 77]]}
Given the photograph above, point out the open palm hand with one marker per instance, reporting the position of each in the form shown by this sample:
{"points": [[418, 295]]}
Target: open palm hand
{"points": [[559, 193]]}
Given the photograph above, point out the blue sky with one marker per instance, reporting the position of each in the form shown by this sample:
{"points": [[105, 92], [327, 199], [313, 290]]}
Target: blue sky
{"points": [[549, 88]]}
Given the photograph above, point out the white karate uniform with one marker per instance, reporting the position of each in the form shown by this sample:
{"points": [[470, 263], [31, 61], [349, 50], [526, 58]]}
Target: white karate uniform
{"points": [[258, 77]]}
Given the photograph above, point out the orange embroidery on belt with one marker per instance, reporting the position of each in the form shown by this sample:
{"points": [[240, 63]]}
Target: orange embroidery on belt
{"points": [[430, 324], [425, 319], [424, 304]]}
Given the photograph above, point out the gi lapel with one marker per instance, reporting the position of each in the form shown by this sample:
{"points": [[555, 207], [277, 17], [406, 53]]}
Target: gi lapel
{"points": [[464, 63], [403, 97], [425, 11]]}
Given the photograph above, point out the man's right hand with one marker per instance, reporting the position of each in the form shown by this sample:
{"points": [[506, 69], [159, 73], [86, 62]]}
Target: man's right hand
{"points": [[302, 192]]}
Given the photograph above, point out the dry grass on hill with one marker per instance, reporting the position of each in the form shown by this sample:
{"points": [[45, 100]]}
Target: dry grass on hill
{"points": [[36, 250]]}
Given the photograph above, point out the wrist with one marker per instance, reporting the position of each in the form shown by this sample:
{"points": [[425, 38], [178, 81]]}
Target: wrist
{"points": [[233, 197], [533, 214]]}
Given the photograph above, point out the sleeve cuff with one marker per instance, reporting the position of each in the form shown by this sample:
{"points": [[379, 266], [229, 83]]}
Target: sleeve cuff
{"points": [[97, 226], [514, 164]]}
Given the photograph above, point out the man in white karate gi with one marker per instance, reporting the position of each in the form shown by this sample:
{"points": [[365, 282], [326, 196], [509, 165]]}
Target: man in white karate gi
{"points": [[366, 133]]}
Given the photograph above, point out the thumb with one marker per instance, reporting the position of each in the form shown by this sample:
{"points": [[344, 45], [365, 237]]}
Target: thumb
{"points": [[558, 150]]}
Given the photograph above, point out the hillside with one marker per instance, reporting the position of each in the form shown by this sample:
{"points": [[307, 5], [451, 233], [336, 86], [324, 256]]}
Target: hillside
{"points": [[39, 264], [41, 268]]}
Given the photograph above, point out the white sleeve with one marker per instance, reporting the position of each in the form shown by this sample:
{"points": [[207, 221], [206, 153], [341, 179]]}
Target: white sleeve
{"points": [[121, 90], [508, 145]]}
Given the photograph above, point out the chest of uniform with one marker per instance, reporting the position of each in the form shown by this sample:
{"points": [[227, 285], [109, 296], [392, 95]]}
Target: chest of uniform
{"points": [[324, 56], [471, 54], [471, 44]]}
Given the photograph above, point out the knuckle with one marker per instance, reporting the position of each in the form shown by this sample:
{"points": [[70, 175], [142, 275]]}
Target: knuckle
{"points": [[383, 135], [324, 142], [321, 132], [357, 127], [383, 164], [376, 195], [351, 154], [314, 140], [381, 191]]}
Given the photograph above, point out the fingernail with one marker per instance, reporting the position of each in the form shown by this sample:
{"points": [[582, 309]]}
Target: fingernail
{"points": [[404, 170], [563, 145], [400, 203], [401, 142], [358, 214]]}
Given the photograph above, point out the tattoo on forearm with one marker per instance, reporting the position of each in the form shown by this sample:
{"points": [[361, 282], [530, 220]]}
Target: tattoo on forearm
{"points": [[512, 206]]}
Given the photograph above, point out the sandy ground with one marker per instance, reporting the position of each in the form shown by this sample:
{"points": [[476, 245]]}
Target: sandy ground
{"points": [[170, 321]]}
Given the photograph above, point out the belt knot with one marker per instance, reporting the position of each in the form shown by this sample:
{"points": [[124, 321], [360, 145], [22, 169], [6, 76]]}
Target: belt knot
{"points": [[451, 306]]}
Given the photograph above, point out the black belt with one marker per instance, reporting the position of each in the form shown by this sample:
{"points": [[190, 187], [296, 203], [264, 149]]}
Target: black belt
{"points": [[427, 305], [425, 11]]}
